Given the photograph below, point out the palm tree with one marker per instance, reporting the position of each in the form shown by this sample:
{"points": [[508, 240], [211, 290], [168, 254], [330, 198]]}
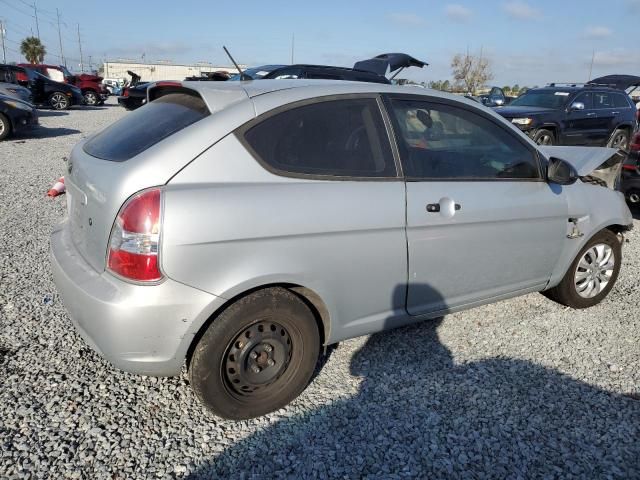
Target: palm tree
{"points": [[33, 50]]}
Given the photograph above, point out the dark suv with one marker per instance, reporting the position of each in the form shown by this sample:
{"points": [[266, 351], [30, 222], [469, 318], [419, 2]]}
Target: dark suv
{"points": [[574, 115]]}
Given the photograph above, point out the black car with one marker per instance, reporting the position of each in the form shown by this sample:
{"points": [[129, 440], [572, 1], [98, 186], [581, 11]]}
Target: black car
{"points": [[373, 70], [15, 115], [576, 114], [630, 184], [44, 91], [134, 94]]}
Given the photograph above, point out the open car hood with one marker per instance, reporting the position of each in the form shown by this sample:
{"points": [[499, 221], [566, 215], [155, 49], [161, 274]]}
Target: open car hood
{"points": [[600, 163], [388, 61]]}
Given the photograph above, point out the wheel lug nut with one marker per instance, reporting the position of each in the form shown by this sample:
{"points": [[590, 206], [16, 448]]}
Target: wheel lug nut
{"points": [[271, 363], [267, 347], [256, 369], [253, 355]]}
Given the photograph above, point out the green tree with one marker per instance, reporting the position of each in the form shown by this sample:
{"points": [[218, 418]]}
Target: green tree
{"points": [[33, 50]]}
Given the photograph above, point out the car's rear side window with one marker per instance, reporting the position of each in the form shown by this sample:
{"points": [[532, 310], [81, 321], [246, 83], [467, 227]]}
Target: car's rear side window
{"points": [[146, 126], [334, 138], [619, 101]]}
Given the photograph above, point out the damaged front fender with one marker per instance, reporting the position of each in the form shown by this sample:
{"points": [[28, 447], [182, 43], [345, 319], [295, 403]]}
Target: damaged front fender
{"points": [[601, 166]]}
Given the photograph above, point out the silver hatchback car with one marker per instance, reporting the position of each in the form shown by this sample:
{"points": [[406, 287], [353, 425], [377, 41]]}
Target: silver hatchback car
{"points": [[240, 227]]}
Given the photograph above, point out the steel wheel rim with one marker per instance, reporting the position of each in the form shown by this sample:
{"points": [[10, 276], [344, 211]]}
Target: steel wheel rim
{"points": [[256, 358], [544, 140], [58, 101], [594, 270], [2, 127]]}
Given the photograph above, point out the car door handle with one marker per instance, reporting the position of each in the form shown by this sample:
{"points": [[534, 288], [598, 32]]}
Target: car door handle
{"points": [[591, 114], [435, 207], [615, 113]]}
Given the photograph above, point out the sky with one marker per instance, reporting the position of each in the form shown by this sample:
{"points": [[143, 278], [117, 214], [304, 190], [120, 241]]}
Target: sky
{"points": [[528, 42]]}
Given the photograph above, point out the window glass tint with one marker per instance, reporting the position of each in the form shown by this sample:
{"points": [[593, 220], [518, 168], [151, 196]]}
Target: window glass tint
{"points": [[441, 141], [146, 126], [335, 138], [619, 101], [602, 100], [586, 98]]}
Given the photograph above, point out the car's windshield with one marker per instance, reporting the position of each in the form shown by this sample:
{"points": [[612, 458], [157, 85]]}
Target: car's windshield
{"points": [[541, 98]]}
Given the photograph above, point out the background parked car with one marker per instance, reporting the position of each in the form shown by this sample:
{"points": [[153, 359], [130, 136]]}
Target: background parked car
{"points": [[15, 115], [113, 85], [134, 93], [93, 91], [45, 91], [574, 114], [630, 181]]}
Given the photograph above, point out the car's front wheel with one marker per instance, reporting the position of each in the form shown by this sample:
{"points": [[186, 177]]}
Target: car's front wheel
{"points": [[592, 274], [59, 101], [256, 356], [619, 139]]}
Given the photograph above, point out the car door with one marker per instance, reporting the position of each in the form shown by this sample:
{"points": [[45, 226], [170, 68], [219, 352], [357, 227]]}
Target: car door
{"points": [[581, 125], [482, 223]]}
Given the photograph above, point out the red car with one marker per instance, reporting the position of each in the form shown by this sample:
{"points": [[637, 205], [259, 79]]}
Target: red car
{"points": [[93, 91]]}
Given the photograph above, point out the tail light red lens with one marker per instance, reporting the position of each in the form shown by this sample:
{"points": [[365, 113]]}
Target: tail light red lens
{"points": [[635, 142], [135, 238]]}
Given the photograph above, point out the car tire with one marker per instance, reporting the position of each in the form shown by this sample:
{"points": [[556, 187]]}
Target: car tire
{"points": [[619, 139], [5, 127], [91, 98], [256, 356], [544, 137], [603, 250], [59, 101]]}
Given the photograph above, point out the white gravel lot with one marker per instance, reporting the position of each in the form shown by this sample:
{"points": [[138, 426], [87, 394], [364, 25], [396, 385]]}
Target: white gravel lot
{"points": [[520, 389]]}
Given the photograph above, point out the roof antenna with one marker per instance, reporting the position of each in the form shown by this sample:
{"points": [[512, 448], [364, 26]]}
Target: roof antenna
{"points": [[243, 76]]}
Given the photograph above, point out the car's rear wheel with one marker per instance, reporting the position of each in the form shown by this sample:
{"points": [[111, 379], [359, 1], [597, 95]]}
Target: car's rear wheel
{"points": [[619, 139], [544, 137], [91, 98], [256, 356], [592, 274], [59, 101], [5, 127]]}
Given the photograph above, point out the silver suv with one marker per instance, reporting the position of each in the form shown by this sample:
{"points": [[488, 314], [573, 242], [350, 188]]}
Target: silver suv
{"points": [[241, 227]]}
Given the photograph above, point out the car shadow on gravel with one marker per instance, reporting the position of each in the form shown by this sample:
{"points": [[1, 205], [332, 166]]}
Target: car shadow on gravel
{"points": [[51, 113], [419, 413], [44, 132]]}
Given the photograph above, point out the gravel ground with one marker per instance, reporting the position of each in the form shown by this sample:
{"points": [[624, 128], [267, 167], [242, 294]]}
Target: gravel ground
{"points": [[520, 389]]}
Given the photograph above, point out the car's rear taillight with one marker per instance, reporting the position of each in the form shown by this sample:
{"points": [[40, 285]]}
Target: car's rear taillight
{"points": [[125, 92], [135, 238]]}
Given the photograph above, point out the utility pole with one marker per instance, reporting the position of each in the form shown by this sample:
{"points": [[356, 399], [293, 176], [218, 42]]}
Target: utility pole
{"points": [[80, 44], [35, 10], [593, 56], [2, 34], [293, 45], [64, 62]]}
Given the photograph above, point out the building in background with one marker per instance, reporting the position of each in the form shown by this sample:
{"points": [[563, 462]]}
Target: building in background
{"points": [[152, 72]]}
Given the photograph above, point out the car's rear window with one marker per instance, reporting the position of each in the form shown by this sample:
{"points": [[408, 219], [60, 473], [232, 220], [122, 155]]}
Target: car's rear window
{"points": [[146, 126]]}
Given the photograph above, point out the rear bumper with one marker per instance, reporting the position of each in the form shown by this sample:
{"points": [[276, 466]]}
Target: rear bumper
{"points": [[24, 120], [139, 329]]}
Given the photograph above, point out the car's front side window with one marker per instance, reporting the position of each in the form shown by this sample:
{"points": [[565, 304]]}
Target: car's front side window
{"points": [[585, 98], [602, 100], [336, 138], [441, 141]]}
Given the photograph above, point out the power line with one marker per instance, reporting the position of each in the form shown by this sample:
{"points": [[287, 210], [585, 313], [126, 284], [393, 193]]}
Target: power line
{"points": [[16, 8]]}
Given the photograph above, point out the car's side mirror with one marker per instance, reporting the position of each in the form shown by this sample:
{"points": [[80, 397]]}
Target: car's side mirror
{"points": [[576, 106], [561, 172]]}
